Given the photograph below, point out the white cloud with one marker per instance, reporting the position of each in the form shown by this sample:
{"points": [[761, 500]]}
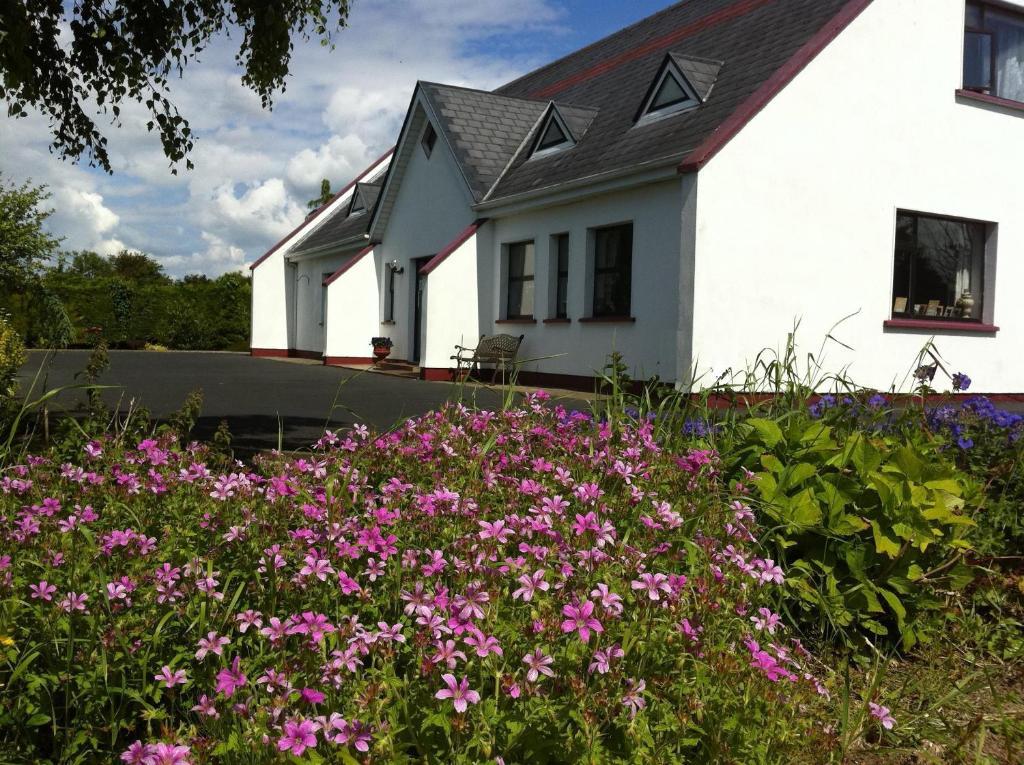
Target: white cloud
{"points": [[255, 169]]}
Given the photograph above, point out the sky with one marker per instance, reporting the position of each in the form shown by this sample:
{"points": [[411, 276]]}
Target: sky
{"points": [[255, 169]]}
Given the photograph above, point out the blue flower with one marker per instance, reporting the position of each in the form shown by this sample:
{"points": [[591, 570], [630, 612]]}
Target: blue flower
{"points": [[876, 401], [964, 442], [961, 381]]}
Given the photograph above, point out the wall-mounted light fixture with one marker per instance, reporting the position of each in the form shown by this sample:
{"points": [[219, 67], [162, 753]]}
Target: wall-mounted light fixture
{"points": [[395, 268]]}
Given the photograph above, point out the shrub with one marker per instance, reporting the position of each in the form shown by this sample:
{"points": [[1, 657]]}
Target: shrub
{"points": [[526, 584], [871, 527], [12, 356]]}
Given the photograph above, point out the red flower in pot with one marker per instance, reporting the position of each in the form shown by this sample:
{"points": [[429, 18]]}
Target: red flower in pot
{"points": [[381, 347]]}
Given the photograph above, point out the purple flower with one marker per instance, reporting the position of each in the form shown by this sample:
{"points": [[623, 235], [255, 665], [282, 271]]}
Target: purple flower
{"points": [[458, 692], [169, 678], [633, 699], [580, 619], [538, 662], [212, 643], [42, 591], [298, 737], [652, 584], [883, 713], [530, 584], [961, 382], [168, 754], [230, 680]]}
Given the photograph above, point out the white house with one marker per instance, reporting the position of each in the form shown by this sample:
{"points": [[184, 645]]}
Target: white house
{"points": [[682, 192]]}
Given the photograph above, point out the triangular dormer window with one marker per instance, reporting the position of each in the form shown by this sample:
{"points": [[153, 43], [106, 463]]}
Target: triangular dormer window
{"points": [[358, 204], [671, 93], [553, 136]]}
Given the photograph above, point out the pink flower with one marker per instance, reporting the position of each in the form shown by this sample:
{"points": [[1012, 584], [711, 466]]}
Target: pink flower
{"points": [[42, 591], [766, 621], [484, 644], [206, 707], [298, 737], [610, 602], [447, 653], [314, 625], [230, 680], [459, 693], [603, 658], [135, 754], [538, 662], [171, 679], [882, 714], [633, 699], [168, 754], [248, 619], [530, 584], [653, 584], [212, 643], [74, 602], [580, 619]]}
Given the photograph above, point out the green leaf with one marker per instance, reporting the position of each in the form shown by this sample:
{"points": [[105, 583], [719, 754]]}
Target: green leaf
{"points": [[895, 604], [769, 433], [37, 719], [884, 544]]}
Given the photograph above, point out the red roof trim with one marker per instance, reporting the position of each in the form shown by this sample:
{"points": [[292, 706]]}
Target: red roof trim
{"points": [[323, 207], [451, 247], [726, 14], [348, 264], [750, 108]]}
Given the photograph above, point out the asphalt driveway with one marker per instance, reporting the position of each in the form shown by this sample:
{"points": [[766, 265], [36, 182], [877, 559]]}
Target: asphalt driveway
{"points": [[256, 396]]}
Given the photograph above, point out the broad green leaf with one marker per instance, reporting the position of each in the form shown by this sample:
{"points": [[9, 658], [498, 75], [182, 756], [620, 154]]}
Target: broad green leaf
{"points": [[769, 433], [895, 604], [884, 544]]}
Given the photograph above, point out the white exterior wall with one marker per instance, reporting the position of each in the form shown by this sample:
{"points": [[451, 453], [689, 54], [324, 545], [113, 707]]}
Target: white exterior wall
{"points": [[352, 303], [431, 207], [647, 345], [796, 215], [283, 302], [451, 307]]}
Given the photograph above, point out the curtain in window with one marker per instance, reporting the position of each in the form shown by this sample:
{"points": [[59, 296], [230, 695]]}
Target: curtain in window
{"points": [[1008, 31]]}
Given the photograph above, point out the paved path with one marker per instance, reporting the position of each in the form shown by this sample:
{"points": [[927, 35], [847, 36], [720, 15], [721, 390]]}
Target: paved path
{"points": [[256, 396]]}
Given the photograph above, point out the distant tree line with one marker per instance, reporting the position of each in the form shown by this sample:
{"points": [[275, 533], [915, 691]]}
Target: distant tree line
{"points": [[67, 299]]}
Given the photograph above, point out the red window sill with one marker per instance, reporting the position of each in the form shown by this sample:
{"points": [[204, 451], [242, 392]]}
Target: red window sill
{"points": [[561, 320], [608, 320], [984, 98], [516, 321], [941, 326]]}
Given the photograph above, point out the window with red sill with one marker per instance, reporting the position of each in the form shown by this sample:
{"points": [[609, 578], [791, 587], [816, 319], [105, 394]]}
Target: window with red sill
{"points": [[994, 51], [939, 268]]}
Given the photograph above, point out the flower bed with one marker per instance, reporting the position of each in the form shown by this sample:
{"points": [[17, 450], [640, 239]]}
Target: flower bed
{"points": [[521, 586]]}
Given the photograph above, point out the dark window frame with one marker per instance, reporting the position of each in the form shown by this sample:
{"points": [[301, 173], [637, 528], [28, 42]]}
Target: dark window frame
{"points": [[561, 276], [429, 139], [522, 278], [978, 291], [621, 270], [985, 31], [389, 308]]}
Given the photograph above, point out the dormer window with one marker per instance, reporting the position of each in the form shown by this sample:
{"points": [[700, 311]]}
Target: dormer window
{"points": [[671, 93], [554, 136], [429, 139], [358, 204]]}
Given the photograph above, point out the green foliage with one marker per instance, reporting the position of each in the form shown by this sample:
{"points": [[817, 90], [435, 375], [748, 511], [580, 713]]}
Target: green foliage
{"points": [[12, 356], [63, 58], [324, 198], [24, 245], [869, 527]]}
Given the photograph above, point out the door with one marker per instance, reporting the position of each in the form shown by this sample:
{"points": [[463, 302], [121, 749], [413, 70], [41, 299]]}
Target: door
{"points": [[417, 313]]}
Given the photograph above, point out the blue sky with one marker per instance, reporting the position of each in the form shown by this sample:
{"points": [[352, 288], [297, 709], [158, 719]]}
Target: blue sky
{"points": [[342, 108]]}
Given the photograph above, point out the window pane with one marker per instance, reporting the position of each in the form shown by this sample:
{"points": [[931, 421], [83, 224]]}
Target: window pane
{"points": [[553, 136], [670, 92], [526, 299], [936, 262], [528, 259], [1008, 33], [562, 277], [978, 60], [516, 260], [613, 263]]}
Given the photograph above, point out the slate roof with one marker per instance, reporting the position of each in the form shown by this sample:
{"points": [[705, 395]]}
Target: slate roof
{"points": [[753, 39], [484, 129], [341, 226]]}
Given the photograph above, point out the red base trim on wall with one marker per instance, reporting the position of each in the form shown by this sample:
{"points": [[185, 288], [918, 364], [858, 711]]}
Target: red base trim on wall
{"points": [[341, 361], [276, 353], [437, 374], [284, 353]]}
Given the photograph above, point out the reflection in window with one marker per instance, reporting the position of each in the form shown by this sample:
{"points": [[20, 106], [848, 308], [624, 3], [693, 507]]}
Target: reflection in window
{"points": [[520, 281], [613, 270], [938, 268], [561, 250], [994, 51]]}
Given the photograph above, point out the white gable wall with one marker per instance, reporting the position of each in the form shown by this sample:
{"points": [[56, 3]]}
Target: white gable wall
{"points": [[648, 345], [431, 208], [796, 215]]}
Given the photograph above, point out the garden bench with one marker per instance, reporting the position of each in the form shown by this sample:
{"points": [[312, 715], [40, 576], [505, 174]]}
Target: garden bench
{"points": [[500, 350]]}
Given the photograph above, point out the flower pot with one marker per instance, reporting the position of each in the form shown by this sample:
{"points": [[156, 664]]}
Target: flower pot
{"points": [[381, 352]]}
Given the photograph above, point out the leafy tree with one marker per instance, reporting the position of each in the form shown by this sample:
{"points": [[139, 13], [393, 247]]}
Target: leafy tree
{"points": [[138, 267], [64, 59], [324, 198], [86, 264], [24, 245]]}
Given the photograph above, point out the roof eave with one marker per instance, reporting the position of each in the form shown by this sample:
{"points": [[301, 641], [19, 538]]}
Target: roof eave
{"points": [[328, 249]]}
